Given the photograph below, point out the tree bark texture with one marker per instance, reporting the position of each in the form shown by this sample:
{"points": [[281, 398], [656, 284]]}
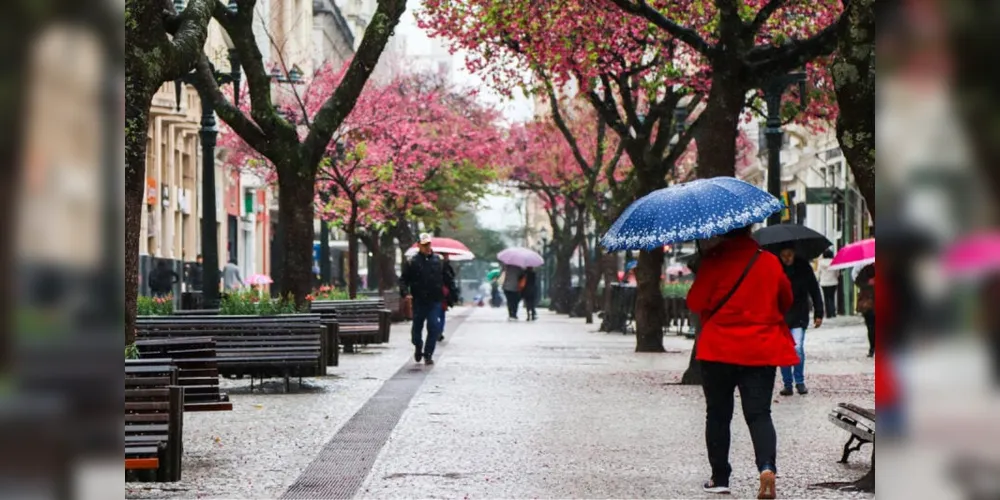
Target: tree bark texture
{"points": [[562, 283], [385, 260], [295, 215], [155, 54], [854, 79], [649, 310], [609, 269], [352, 261], [719, 127]]}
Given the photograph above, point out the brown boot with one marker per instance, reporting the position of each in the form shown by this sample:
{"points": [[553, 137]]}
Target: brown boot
{"points": [[767, 488]]}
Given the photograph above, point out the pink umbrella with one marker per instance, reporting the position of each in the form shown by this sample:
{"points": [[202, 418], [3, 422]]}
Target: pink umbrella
{"points": [[259, 279], [454, 249], [857, 254], [520, 257], [974, 255]]}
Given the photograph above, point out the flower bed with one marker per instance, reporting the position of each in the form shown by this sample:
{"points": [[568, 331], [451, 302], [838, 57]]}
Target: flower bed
{"points": [[156, 306], [258, 303]]}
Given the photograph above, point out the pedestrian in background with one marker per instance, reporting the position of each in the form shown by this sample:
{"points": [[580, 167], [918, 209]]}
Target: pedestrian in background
{"points": [[162, 279], [864, 279], [423, 280], [805, 290], [741, 294], [231, 279], [829, 281], [530, 293], [512, 286]]}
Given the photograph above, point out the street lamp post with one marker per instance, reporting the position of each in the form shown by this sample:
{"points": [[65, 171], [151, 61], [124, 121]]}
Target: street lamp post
{"points": [[325, 265], [773, 92], [209, 134]]}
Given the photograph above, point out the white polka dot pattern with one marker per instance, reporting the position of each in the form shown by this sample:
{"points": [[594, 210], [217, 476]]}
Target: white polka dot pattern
{"points": [[696, 210]]}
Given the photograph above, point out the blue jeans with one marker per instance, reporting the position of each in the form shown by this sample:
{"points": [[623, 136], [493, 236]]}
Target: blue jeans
{"points": [[796, 374], [429, 312]]}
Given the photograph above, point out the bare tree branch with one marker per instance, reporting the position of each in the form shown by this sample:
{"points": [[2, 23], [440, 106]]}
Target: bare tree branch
{"points": [[243, 126], [684, 34], [334, 111], [560, 122], [765, 14], [190, 30]]}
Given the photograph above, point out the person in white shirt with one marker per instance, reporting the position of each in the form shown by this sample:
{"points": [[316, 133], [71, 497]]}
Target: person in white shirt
{"points": [[829, 281]]}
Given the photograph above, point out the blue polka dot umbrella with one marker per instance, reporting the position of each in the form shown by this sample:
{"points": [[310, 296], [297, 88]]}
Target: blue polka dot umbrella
{"points": [[695, 210]]}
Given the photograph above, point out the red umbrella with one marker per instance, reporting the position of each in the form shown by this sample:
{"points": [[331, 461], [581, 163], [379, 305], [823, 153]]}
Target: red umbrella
{"points": [[454, 249]]}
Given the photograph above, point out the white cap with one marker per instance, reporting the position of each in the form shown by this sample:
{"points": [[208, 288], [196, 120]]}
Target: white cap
{"points": [[425, 239]]}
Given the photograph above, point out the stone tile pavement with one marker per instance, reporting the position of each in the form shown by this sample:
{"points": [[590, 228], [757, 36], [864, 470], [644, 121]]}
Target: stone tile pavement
{"points": [[555, 409], [552, 409]]}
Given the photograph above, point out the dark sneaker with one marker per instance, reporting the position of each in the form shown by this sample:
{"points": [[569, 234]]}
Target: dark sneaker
{"points": [[871, 354], [767, 489], [418, 354], [718, 489], [787, 391], [803, 390], [441, 337], [429, 361]]}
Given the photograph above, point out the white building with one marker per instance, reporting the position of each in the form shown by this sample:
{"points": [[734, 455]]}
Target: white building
{"points": [[814, 161]]}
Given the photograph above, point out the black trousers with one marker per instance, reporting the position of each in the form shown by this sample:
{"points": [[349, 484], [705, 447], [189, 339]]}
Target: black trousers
{"points": [[529, 304], [756, 385], [513, 302], [830, 301], [870, 324]]}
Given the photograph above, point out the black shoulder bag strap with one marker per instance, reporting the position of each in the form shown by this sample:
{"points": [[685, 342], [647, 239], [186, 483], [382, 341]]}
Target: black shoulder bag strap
{"points": [[746, 271]]}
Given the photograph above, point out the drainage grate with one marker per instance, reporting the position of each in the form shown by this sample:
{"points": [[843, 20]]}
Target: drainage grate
{"points": [[344, 463]]}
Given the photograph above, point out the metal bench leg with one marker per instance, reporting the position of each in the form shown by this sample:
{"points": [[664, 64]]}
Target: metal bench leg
{"points": [[288, 384], [848, 449]]}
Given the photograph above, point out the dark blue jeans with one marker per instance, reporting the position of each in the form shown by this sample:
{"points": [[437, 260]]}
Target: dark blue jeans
{"points": [[443, 313], [430, 313]]}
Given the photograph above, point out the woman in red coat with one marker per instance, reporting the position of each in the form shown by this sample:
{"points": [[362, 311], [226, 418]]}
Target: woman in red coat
{"points": [[744, 339]]}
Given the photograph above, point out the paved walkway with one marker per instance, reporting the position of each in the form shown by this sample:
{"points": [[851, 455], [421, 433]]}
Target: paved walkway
{"points": [[552, 409], [555, 409]]}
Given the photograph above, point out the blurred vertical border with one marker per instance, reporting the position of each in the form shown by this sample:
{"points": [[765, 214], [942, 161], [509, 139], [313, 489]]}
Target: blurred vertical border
{"points": [[61, 389]]}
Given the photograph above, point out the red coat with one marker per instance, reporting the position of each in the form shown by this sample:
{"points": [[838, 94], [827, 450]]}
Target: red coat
{"points": [[750, 329], [886, 388]]}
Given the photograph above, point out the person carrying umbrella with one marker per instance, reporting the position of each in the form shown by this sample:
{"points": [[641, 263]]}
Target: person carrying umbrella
{"points": [[451, 291], [423, 279], [512, 287], [805, 288]]}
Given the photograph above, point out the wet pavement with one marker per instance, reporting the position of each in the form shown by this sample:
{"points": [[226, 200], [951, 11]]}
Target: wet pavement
{"points": [[555, 409], [552, 409]]}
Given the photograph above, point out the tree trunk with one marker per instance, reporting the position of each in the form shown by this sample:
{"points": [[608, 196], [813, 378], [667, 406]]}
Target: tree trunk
{"points": [[609, 268], [649, 309], [593, 272], [296, 193], [854, 78], [562, 283], [374, 247], [137, 104], [386, 262], [719, 127], [352, 260]]}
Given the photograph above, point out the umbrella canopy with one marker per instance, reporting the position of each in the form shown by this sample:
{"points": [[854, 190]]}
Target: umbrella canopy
{"points": [[974, 256], [259, 279], [695, 210], [861, 253], [454, 249], [808, 243], [520, 257]]}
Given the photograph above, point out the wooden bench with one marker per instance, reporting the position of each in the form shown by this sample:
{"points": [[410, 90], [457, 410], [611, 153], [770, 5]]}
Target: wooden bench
{"points": [[255, 346], [859, 422], [154, 421], [364, 322], [197, 370]]}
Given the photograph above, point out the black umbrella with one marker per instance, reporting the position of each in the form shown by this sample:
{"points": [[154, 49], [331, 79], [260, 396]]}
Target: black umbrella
{"points": [[808, 243]]}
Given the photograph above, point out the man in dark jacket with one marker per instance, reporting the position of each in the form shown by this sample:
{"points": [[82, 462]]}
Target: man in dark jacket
{"points": [[805, 288], [423, 280]]}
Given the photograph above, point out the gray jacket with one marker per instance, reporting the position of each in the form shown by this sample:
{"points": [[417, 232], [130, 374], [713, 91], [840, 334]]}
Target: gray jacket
{"points": [[513, 276], [231, 279]]}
